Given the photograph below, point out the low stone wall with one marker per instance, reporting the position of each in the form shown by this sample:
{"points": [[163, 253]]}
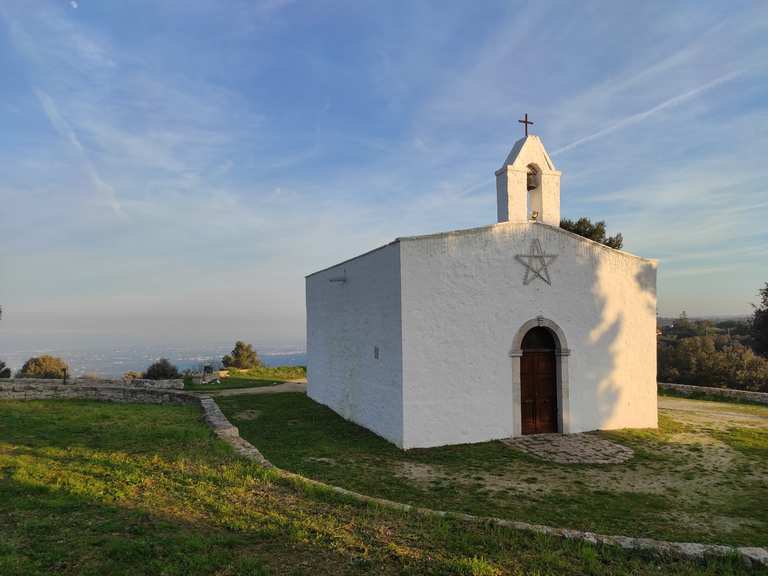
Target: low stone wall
{"points": [[687, 390], [28, 389], [177, 384], [215, 418]]}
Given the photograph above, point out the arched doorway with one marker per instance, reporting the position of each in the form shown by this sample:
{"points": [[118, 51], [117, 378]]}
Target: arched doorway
{"points": [[538, 382]]}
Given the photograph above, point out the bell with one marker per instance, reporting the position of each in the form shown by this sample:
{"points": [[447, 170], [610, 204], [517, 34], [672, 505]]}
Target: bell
{"points": [[532, 183]]}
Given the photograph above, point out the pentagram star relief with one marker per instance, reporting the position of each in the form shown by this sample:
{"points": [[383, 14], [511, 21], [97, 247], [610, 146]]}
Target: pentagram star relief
{"points": [[536, 263]]}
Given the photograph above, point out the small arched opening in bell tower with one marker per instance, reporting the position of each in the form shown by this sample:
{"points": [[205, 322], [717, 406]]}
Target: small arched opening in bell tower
{"points": [[534, 193]]}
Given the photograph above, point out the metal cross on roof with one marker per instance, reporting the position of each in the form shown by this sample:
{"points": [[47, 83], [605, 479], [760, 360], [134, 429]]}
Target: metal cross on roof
{"points": [[525, 123]]}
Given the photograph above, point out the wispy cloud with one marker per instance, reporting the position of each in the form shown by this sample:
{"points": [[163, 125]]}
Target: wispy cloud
{"points": [[640, 116], [250, 144], [105, 191]]}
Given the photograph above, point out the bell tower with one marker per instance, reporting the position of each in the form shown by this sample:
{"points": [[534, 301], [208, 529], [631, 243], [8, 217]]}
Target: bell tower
{"points": [[527, 184]]}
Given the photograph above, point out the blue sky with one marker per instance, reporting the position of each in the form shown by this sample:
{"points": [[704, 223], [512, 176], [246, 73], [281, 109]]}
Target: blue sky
{"points": [[170, 170]]}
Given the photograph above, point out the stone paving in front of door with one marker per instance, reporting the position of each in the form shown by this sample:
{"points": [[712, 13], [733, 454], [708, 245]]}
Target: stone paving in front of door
{"points": [[584, 448]]}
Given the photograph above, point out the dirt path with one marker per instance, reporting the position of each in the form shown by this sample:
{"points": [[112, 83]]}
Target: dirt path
{"points": [[718, 414], [291, 386]]}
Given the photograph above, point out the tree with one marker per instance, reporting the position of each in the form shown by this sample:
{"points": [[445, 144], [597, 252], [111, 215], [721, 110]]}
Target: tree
{"points": [[5, 372], [162, 370], [683, 327], [243, 356], [132, 375], [44, 366], [584, 227], [759, 327], [720, 361]]}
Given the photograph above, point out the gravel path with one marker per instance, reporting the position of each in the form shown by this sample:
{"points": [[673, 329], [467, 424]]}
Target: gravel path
{"points": [[291, 386]]}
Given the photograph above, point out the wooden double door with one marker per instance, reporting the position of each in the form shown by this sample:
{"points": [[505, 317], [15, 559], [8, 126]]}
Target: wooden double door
{"points": [[538, 390]]}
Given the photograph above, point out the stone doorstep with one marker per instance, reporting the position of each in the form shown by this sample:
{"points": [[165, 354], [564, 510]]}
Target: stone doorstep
{"points": [[583, 448], [215, 418]]}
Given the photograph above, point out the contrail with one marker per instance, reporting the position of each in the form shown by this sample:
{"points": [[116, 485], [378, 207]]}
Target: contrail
{"points": [[629, 120], [650, 112], [65, 131]]}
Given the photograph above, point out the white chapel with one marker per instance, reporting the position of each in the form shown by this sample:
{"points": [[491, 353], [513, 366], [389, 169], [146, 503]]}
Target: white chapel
{"points": [[471, 335]]}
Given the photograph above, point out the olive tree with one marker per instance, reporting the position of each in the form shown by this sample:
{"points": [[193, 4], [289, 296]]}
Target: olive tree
{"points": [[242, 356], [584, 227], [44, 366]]}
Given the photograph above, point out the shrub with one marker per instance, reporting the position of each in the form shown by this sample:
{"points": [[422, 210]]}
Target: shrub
{"points": [[132, 375], [718, 361], [44, 367], [161, 370], [243, 356], [5, 372]]}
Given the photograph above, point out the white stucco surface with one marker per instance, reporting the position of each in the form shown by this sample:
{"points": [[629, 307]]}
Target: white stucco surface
{"points": [[464, 302], [346, 321], [448, 312]]}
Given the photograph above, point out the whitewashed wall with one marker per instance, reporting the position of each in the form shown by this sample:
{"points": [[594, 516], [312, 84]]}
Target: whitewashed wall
{"points": [[463, 302], [345, 322]]}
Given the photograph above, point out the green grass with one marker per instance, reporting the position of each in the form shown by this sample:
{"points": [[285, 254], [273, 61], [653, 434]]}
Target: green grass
{"points": [[696, 489], [750, 441], [91, 489], [276, 372], [252, 378]]}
